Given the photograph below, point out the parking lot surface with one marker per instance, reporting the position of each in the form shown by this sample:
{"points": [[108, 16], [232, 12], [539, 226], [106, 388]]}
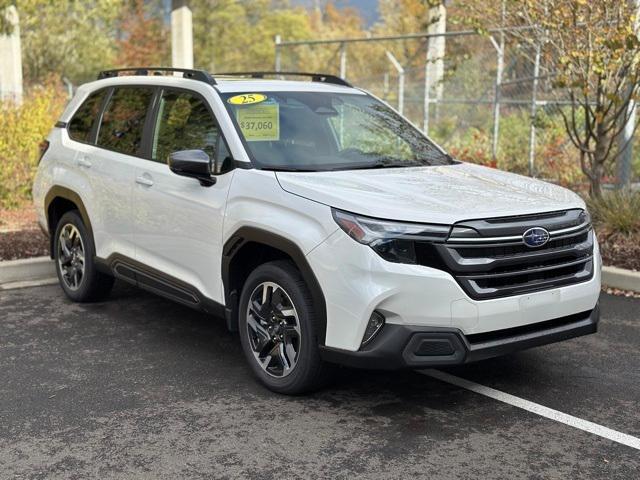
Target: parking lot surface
{"points": [[140, 387]]}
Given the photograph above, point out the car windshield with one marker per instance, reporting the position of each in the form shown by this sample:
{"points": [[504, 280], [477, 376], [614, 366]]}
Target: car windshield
{"points": [[311, 131]]}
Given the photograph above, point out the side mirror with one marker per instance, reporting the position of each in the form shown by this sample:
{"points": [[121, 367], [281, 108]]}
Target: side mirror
{"points": [[192, 163]]}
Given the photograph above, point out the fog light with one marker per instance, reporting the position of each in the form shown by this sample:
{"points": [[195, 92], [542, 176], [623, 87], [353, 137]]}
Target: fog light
{"points": [[376, 322]]}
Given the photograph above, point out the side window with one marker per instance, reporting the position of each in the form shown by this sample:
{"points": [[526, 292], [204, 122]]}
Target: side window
{"points": [[123, 119], [185, 123], [82, 122]]}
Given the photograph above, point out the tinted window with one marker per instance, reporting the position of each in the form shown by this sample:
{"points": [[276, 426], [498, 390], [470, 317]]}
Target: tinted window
{"points": [[184, 123], [82, 122], [123, 120]]}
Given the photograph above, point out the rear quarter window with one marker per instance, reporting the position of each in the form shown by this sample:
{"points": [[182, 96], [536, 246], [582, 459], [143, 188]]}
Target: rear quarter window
{"points": [[82, 122]]}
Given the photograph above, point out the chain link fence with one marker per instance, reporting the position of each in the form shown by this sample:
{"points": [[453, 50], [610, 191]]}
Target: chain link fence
{"points": [[486, 98]]}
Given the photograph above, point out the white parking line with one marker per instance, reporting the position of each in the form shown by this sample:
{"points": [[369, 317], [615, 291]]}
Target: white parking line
{"points": [[623, 438]]}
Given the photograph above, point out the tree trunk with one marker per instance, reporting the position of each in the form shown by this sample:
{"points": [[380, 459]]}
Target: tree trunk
{"points": [[599, 159], [595, 188]]}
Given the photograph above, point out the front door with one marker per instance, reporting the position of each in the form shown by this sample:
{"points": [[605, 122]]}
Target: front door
{"points": [[177, 221]]}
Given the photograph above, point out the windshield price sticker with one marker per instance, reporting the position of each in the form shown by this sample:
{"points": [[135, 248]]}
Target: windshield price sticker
{"points": [[259, 123], [247, 99]]}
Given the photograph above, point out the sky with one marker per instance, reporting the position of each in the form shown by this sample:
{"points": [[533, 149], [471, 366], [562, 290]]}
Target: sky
{"points": [[368, 9]]}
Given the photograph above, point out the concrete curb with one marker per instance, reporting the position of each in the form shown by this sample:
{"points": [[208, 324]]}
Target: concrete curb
{"points": [[621, 278], [27, 270], [43, 269]]}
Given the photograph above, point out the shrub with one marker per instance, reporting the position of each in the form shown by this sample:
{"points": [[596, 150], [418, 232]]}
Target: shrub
{"points": [[616, 213], [555, 159], [22, 128]]}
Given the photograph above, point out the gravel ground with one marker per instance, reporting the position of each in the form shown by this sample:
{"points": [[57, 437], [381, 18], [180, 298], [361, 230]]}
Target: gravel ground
{"points": [[138, 387]]}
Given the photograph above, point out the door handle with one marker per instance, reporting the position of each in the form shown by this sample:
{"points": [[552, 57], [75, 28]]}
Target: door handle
{"points": [[142, 180], [84, 162]]}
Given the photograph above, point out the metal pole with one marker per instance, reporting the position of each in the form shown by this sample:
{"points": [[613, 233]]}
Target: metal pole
{"points": [[276, 45], [532, 126], [625, 143], [427, 86], [435, 54], [69, 86], [625, 139], [400, 71], [401, 92], [343, 60], [385, 85], [496, 99]]}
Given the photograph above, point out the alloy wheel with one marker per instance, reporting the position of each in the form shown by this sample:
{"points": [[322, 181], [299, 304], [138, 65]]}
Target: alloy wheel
{"points": [[71, 256], [274, 329]]}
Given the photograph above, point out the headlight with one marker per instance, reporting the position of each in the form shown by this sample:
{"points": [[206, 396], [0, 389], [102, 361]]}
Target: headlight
{"points": [[393, 241]]}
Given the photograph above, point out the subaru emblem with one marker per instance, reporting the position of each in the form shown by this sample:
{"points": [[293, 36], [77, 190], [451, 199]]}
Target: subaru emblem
{"points": [[535, 237]]}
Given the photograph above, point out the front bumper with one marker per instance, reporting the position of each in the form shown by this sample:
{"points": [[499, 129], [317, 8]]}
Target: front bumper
{"points": [[356, 281], [404, 346]]}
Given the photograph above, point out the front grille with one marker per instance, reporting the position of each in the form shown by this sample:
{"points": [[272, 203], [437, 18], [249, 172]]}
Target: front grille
{"points": [[499, 251], [490, 260]]}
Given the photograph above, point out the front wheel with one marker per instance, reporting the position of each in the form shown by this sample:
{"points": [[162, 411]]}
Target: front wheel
{"points": [[278, 330]]}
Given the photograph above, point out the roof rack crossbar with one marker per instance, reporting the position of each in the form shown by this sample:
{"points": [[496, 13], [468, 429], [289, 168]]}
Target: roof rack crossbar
{"points": [[200, 75], [315, 77]]}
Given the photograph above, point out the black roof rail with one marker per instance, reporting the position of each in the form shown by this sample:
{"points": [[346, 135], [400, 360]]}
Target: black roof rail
{"points": [[315, 77], [200, 75]]}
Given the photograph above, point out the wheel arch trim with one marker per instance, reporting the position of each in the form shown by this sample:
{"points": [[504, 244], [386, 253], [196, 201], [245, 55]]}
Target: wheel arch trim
{"points": [[58, 191], [245, 235]]}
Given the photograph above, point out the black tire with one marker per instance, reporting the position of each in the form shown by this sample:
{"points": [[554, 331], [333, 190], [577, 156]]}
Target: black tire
{"points": [[309, 372], [92, 285]]}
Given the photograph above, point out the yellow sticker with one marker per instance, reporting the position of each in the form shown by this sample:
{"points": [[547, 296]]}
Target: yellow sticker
{"points": [[247, 99], [259, 123]]}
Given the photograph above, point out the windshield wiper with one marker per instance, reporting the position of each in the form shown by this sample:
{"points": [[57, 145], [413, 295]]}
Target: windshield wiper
{"points": [[284, 168], [381, 163], [378, 164]]}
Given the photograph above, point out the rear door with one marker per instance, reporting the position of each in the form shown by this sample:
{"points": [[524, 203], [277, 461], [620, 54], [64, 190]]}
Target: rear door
{"points": [[113, 166], [177, 221]]}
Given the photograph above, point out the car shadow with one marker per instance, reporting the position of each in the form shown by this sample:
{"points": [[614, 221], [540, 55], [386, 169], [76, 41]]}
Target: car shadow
{"points": [[173, 330]]}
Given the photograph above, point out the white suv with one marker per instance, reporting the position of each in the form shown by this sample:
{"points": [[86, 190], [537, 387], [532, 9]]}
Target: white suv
{"points": [[319, 222]]}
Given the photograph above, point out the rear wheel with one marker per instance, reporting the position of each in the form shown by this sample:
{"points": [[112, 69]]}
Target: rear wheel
{"points": [[74, 252], [278, 331]]}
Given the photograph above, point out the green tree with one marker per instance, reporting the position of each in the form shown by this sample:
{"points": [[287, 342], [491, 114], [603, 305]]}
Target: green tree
{"points": [[66, 37], [239, 35]]}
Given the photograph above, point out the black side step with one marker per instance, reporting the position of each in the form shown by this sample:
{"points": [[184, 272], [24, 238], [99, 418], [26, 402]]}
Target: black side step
{"points": [[157, 282]]}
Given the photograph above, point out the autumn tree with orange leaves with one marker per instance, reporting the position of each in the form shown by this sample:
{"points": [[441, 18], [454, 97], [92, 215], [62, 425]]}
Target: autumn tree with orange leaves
{"points": [[143, 37]]}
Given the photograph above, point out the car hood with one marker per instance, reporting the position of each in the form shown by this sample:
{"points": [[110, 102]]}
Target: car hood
{"points": [[441, 194]]}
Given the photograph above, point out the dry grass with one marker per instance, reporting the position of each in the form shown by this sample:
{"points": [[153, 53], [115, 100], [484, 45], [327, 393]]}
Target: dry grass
{"points": [[617, 213], [616, 217]]}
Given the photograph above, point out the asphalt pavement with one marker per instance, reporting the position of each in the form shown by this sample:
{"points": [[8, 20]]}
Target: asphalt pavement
{"points": [[140, 387]]}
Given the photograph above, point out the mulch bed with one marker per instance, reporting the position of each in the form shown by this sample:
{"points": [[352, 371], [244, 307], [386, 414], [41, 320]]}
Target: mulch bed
{"points": [[621, 251], [20, 236], [23, 244]]}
